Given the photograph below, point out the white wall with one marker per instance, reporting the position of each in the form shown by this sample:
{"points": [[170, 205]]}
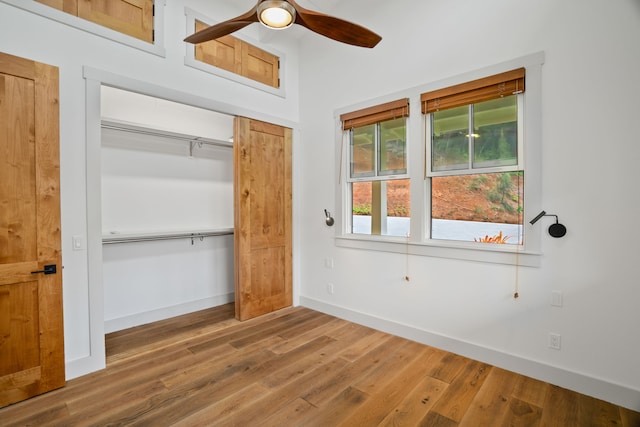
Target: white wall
{"points": [[590, 150], [149, 281], [30, 35], [154, 182]]}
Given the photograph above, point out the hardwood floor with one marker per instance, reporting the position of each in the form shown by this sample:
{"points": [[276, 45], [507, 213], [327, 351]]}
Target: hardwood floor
{"points": [[298, 367]]}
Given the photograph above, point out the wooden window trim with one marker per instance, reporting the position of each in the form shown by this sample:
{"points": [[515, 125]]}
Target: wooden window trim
{"points": [[378, 113], [492, 87]]}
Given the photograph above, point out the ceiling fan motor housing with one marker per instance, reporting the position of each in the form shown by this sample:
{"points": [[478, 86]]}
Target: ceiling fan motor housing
{"points": [[276, 14]]}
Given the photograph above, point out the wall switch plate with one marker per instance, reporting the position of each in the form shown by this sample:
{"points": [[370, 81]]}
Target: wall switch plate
{"points": [[78, 243], [328, 263], [556, 298]]}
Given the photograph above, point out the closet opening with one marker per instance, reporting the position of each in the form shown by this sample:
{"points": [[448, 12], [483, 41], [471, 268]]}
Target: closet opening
{"points": [[166, 209]]}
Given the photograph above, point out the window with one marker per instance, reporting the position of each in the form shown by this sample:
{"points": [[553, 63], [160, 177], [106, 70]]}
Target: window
{"points": [[479, 157], [239, 57], [475, 159], [378, 180], [131, 17]]}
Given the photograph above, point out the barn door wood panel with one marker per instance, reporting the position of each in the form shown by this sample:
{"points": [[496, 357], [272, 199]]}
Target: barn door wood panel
{"points": [[262, 188], [31, 329]]}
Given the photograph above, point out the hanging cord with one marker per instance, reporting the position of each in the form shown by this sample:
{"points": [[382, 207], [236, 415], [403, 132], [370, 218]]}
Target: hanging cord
{"points": [[515, 290], [406, 277], [520, 243]]}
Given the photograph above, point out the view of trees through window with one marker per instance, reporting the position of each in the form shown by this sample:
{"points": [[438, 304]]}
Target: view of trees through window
{"points": [[476, 136]]}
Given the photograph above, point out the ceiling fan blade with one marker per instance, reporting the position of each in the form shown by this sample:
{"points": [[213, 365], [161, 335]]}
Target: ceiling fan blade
{"points": [[335, 28], [224, 28]]}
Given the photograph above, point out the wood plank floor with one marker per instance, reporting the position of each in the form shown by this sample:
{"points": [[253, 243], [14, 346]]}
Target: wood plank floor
{"points": [[298, 367]]}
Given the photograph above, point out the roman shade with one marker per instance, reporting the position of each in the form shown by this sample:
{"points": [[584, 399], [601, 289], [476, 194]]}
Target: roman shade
{"points": [[492, 87], [375, 114]]}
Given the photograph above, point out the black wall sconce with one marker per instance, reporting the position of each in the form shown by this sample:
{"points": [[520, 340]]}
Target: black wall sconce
{"points": [[555, 230], [328, 218]]}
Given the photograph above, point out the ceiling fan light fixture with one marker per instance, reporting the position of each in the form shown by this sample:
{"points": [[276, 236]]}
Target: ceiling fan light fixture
{"points": [[276, 14]]}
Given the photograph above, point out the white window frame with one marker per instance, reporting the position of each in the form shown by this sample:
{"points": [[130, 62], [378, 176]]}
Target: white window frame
{"points": [[156, 48], [346, 136], [470, 170], [417, 243], [377, 175], [519, 166]]}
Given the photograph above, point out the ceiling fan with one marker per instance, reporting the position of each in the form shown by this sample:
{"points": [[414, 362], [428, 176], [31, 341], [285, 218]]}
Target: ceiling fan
{"points": [[280, 14]]}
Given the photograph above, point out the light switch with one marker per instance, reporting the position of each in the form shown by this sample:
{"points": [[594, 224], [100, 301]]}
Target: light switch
{"points": [[556, 298], [78, 243]]}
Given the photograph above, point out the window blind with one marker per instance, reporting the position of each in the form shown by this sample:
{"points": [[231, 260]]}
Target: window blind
{"points": [[375, 114], [492, 87]]}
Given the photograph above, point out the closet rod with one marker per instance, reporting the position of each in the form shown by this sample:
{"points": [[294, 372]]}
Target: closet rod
{"points": [[150, 237], [171, 135]]}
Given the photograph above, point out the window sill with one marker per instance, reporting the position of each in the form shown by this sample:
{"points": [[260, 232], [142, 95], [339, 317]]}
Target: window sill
{"points": [[500, 254]]}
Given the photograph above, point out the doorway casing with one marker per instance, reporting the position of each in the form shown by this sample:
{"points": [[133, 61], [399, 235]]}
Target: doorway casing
{"points": [[94, 80]]}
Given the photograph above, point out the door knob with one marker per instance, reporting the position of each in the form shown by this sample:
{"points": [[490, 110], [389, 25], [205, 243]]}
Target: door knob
{"points": [[48, 269]]}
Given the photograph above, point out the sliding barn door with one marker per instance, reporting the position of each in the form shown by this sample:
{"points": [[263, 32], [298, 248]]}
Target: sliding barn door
{"points": [[31, 330], [262, 188]]}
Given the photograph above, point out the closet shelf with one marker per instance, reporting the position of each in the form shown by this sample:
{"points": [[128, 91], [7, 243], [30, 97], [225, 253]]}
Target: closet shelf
{"points": [[148, 237]]}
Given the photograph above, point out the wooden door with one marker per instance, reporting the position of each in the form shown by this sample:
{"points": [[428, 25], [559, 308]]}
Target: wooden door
{"points": [[31, 330], [262, 211]]}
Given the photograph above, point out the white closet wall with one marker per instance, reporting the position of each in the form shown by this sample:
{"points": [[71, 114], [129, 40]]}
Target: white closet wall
{"points": [[156, 182]]}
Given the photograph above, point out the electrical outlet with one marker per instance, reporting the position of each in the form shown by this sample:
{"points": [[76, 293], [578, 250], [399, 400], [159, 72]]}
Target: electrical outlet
{"points": [[554, 341], [330, 288], [328, 263]]}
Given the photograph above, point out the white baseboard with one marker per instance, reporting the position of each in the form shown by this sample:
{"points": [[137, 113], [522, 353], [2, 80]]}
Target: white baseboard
{"points": [[581, 383], [83, 366], [138, 319]]}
